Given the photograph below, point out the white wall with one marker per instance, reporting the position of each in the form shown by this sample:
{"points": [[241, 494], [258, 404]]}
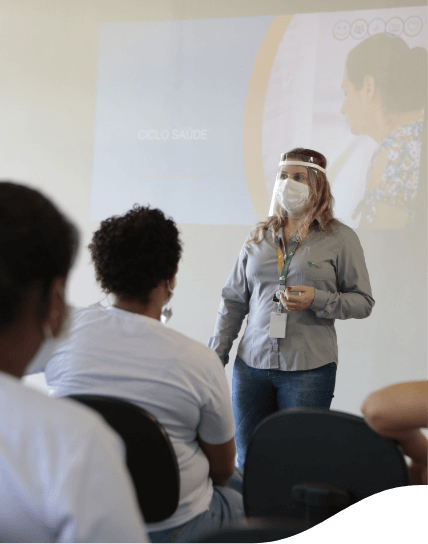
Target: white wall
{"points": [[48, 77]]}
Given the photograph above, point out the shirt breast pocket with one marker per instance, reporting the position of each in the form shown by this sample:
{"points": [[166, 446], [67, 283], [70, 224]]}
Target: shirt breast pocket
{"points": [[317, 270]]}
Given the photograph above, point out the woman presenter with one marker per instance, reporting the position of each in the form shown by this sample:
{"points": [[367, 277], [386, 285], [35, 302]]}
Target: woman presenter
{"points": [[297, 272]]}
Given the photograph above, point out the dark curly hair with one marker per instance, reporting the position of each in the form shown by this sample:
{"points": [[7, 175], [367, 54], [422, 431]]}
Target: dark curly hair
{"points": [[134, 252], [37, 244]]}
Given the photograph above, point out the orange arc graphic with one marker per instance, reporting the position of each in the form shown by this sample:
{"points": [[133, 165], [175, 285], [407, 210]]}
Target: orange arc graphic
{"points": [[253, 118]]}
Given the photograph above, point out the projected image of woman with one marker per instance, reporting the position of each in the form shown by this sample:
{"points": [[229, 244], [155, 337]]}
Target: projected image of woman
{"points": [[385, 97], [298, 271]]}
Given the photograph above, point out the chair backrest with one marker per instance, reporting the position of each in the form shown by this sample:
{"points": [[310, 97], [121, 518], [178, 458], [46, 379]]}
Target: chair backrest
{"points": [[317, 460], [254, 530], [150, 456]]}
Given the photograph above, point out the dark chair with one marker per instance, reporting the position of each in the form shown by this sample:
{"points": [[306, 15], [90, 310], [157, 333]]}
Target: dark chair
{"points": [[309, 463], [254, 530], [150, 455]]}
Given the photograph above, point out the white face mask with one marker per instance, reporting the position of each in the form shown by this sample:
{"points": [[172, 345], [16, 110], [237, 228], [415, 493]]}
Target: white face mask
{"points": [[292, 195], [166, 313], [51, 343]]}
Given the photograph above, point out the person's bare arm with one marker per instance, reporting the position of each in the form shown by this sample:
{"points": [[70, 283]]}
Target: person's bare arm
{"points": [[398, 412], [221, 458]]}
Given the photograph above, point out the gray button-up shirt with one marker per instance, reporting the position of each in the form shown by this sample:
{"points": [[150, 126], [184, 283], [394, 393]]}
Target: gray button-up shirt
{"points": [[333, 264]]}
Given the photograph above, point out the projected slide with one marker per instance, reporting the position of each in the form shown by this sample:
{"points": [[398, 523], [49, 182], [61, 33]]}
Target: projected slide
{"points": [[192, 116]]}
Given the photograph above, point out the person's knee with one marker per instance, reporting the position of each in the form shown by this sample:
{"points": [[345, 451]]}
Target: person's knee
{"points": [[232, 503], [236, 481]]}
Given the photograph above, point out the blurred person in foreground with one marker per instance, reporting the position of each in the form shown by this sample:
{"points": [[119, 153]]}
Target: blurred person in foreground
{"points": [[63, 476]]}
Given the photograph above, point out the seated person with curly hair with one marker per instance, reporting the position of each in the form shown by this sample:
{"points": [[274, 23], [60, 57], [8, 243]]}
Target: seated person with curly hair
{"points": [[125, 351]]}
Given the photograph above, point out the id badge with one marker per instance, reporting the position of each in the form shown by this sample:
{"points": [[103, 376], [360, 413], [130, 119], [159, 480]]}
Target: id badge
{"points": [[278, 323]]}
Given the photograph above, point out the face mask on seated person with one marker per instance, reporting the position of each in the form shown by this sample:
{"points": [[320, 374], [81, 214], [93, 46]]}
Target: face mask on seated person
{"points": [[50, 344]]}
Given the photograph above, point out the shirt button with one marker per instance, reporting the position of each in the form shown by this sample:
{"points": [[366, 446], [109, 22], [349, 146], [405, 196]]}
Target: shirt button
{"points": [[275, 348]]}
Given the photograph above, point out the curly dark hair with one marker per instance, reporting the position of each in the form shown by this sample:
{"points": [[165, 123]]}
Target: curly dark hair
{"points": [[37, 244], [134, 252]]}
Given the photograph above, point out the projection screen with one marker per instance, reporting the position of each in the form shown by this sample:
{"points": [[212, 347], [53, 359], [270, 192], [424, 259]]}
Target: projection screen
{"points": [[192, 116]]}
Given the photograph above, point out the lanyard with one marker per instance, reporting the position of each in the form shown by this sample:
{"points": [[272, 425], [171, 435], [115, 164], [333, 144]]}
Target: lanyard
{"points": [[283, 271], [284, 266]]}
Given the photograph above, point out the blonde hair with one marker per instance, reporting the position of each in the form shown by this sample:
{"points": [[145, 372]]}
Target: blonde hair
{"points": [[317, 211]]}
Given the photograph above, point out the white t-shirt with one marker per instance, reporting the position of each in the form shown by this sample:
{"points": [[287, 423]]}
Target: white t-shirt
{"points": [[62, 473], [178, 380]]}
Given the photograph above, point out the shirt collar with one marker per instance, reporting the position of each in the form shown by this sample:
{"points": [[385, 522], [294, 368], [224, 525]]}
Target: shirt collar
{"points": [[280, 235], [280, 231]]}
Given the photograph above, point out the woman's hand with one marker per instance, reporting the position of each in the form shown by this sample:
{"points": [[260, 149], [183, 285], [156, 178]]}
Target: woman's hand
{"points": [[295, 303]]}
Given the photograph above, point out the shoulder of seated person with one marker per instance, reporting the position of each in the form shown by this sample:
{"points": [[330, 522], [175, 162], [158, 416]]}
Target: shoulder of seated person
{"points": [[32, 408], [81, 312], [185, 346]]}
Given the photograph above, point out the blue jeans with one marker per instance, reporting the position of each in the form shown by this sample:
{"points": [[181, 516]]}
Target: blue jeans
{"points": [[258, 393], [226, 505]]}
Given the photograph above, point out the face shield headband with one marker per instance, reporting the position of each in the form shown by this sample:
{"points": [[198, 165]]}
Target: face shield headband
{"points": [[305, 161]]}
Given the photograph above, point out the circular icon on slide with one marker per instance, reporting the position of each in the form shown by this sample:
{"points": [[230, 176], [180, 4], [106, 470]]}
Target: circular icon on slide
{"points": [[394, 27], [359, 29], [413, 26], [341, 30], [377, 26]]}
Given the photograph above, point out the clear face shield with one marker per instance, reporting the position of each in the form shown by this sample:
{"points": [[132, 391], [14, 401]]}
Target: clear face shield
{"points": [[296, 173]]}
